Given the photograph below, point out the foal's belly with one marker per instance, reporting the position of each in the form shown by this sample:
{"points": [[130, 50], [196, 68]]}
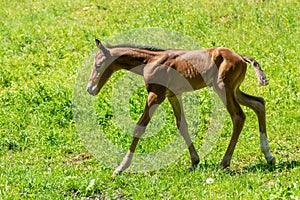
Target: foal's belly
{"points": [[181, 85]]}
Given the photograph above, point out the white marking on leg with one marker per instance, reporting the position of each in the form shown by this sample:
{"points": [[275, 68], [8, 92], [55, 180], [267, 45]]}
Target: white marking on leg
{"points": [[124, 164], [265, 148], [139, 131]]}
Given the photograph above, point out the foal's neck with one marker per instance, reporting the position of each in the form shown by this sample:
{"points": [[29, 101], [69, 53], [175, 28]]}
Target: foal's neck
{"points": [[133, 59]]}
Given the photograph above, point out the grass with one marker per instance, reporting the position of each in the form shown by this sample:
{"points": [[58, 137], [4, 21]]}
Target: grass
{"points": [[44, 44]]}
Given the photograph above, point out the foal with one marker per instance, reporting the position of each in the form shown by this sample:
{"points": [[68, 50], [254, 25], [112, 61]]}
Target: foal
{"points": [[169, 73]]}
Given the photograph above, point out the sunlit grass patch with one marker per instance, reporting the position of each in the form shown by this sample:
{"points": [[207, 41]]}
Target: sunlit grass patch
{"points": [[43, 46]]}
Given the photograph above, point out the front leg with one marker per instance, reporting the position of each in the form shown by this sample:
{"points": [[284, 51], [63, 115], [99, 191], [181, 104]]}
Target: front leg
{"points": [[152, 103], [181, 123], [127, 159]]}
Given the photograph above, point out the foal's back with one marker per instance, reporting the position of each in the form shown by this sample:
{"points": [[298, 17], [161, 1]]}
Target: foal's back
{"points": [[199, 68]]}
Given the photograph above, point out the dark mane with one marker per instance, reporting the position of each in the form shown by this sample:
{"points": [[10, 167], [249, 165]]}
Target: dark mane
{"points": [[149, 48]]}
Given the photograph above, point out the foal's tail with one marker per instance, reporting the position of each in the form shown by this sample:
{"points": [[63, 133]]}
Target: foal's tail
{"points": [[262, 78]]}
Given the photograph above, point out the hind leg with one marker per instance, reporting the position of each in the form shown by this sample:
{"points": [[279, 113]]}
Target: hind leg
{"points": [[237, 116], [258, 105]]}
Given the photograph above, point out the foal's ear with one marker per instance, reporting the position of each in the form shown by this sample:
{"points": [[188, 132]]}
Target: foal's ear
{"points": [[98, 43], [100, 46]]}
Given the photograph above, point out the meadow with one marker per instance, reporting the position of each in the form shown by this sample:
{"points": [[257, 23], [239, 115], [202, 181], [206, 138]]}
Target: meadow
{"points": [[44, 47]]}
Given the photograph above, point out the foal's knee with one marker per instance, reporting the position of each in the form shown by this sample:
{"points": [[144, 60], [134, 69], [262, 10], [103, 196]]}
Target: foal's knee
{"points": [[181, 124], [259, 106], [261, 100], [239, 117]]}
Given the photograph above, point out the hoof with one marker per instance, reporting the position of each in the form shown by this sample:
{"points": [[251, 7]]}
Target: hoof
{"points": [[272, 161], [191, 169], [194, 165], [223, 165], [115, 174]]}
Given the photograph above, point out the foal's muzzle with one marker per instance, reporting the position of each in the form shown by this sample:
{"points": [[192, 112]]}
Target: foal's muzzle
{"points": [[92, 89]]}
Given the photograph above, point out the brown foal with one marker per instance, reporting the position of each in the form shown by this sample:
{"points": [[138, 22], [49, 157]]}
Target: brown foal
{"points": [[169, 73]]}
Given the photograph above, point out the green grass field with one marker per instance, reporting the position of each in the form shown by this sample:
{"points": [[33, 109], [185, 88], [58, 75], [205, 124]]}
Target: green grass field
{"points": [[44, 44]]}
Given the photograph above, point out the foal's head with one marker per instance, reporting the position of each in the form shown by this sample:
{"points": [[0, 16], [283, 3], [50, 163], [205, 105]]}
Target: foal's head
{"points": [[102, 70]]}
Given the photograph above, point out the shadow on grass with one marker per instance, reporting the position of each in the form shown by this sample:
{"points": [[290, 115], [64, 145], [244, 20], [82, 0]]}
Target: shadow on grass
{"points": [[257, 168], [264, 167], [280, 166]]}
